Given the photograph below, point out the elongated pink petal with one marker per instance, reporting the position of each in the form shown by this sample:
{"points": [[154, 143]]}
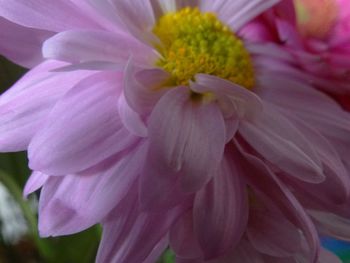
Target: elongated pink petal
{"points": [[272, 234], [331, 224], [278, 141], [281, 196], [246, 104], [183, 240], [221, 211], [20, 117], [20, 44], [314, 107], [243, 253], [142, 87], [131, 119], [89, 132], [35, 181], [78, 46], [48, 15], [160, 188], [157, 250], [131, 237], [91, 197], [237, 13], [336, 187], [161, 7], [187, 136], [138, 18]]}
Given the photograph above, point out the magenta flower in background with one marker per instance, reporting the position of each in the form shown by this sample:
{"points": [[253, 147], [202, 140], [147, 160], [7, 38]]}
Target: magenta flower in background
{"points": [[317, 38], [170, 124]]}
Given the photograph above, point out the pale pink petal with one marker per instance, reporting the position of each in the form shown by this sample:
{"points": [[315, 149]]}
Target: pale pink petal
{"points": [[331, 224], [157, 250], [160, 188], [143, 87], [279, 141], [130, 237], [93, 12], [20, 117], [83, 129], [106, 11], [138, 18], [336, 187], [187, 136], [183, 240], [245, 103], [79, 46], [161, 7], [314, 107], [269, 185], [272, 234], [35, 181], [237, 13], [91, 196], [51, 15], [20, 44], [221, 211], [131, 119], [243, 253]]}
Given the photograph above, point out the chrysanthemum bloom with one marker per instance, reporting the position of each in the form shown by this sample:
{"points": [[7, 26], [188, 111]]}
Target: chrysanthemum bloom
{"points": [[161, 121], [316, 36]]}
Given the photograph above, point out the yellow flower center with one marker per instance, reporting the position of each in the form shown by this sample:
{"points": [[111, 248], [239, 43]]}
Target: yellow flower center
{"points": [[193, 42], [316, 18]]}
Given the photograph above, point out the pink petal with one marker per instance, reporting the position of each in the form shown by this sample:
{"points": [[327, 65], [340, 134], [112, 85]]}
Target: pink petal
{"points": [[78, 46], [25, 106], [91, 196], [157, 250], [221, 211], [279, 141], [237, 13], [106, 11], [35, 181], [51, 15], [143, 87], [183, 240], [161, 7], [129, 236], [131, 119], [314, 107], [243, 253], [331, 224], [246, 103], [83, 129], [272, 234], [187, 136], [21, 45], [336, 187], [160, 188], [138, 17], [268, 184]]}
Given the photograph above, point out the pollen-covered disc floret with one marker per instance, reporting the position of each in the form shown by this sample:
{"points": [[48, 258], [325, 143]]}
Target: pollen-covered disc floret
{"points": [[194, 42]]}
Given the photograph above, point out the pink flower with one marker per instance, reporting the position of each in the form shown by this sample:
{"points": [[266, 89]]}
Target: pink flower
{"points": [[317, 38], [165, 123]]}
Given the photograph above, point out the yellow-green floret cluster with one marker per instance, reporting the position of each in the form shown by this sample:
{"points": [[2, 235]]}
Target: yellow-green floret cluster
{"points": [[194, 42]]}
